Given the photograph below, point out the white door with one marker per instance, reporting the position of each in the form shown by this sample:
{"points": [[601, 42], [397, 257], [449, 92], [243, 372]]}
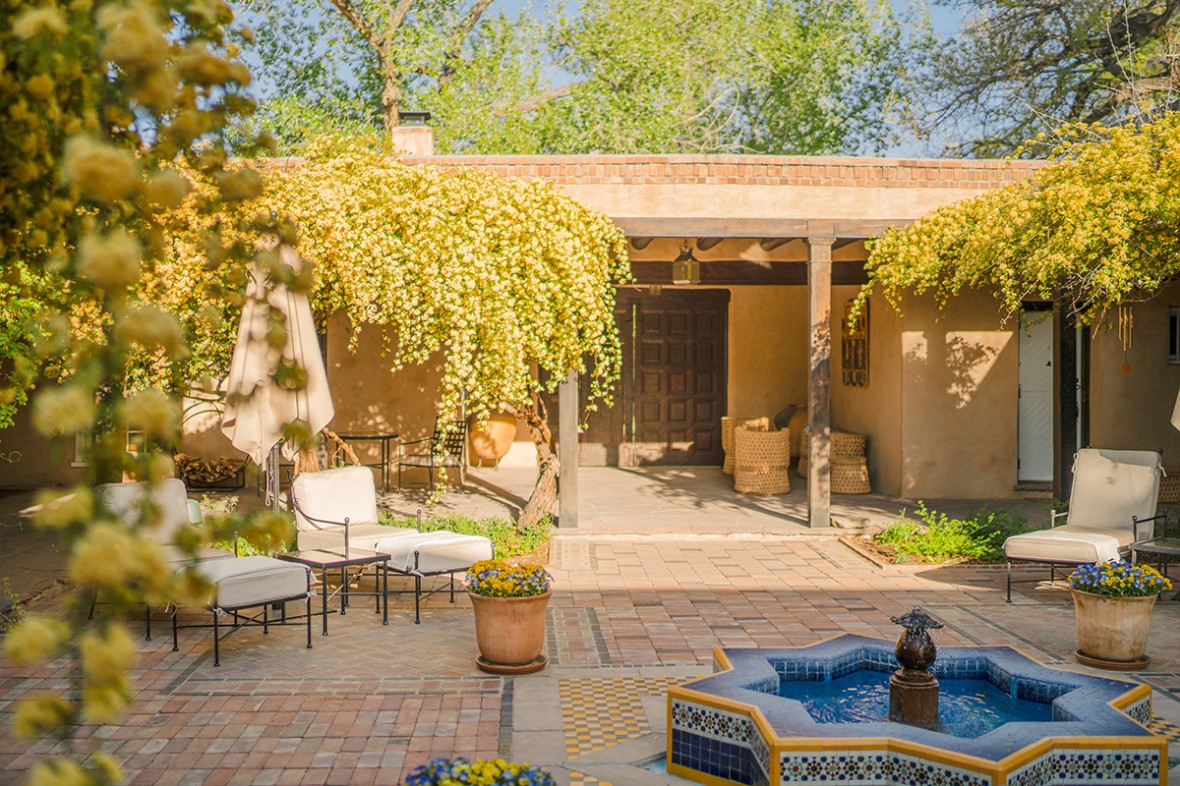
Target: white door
{"points": [[1034, 427]]}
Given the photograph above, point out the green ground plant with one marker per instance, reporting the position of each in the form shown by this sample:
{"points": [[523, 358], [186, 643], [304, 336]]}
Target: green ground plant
{"points": [[508, 540], [936, 537]]}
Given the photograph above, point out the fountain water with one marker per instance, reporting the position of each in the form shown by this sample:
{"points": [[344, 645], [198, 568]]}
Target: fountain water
{"points": [[822, 714]]}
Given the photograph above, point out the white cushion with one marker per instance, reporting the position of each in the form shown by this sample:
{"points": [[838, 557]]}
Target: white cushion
{"points": [[434, 552], [176, 557], [169, 495], [1067, 544], [254, 581], [334, 495], [1111, 486], [360, 536]]}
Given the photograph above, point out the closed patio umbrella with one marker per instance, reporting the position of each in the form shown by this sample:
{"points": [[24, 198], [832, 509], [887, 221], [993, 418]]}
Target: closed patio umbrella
{"points": [[257, 408]]}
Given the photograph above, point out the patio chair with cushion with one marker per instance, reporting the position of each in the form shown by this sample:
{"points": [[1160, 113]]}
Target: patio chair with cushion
{"points": [[175, 512], [336, 510], [236, 584], [444, 449], [1112, 504]]}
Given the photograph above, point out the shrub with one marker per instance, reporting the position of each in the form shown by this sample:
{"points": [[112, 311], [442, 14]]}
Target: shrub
{"points": [[939, 538]]}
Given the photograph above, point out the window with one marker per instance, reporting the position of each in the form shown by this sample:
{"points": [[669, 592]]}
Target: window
{"points": [[1173, 334]]}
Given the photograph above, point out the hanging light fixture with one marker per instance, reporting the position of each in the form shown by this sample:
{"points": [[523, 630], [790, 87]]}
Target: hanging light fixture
{"points": [[686, 269]]}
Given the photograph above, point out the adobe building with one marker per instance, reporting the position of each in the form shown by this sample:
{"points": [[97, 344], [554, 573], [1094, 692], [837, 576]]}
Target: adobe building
{"points": [[744, 267]]}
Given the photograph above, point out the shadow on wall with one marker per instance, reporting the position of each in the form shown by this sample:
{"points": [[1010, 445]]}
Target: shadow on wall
{"points": [[959, 413]]}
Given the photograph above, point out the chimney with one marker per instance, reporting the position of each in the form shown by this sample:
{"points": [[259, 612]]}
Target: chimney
{"points": [[413, 137]]}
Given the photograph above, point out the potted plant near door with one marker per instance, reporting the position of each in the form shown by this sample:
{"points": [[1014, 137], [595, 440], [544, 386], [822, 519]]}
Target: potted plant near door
{"points": [[1112, 612], [509, 603]]}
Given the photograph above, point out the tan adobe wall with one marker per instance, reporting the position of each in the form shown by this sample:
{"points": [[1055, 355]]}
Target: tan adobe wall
{"points": [[959, 400], [1131, 409], [767, 350], [874, 410]]}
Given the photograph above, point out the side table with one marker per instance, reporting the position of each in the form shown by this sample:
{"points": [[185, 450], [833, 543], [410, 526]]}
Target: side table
{"points": [[327, 561]]}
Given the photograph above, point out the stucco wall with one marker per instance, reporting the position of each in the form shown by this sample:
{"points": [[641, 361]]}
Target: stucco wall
{"points": [[767, 350], [1132, 407], [874, 410], [958, 400], [34, 461]]}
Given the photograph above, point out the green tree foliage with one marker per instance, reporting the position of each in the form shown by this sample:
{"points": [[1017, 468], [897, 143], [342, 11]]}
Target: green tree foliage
{"points": [[1098, 226], [348, 67], [1019, 68], [658, 76], [787, 76]]}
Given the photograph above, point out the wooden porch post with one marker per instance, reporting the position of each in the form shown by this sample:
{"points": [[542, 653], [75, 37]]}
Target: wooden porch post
{"points": [[567, 451], [819, 404]]}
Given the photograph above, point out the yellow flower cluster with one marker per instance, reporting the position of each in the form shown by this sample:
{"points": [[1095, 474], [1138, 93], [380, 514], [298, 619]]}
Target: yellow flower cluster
{"points": [[505, 276], [1092, 228]]}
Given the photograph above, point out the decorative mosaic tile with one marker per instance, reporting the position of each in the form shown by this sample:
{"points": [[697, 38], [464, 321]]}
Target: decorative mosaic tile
{"points": [[1164, 728], [1076, 765], [872, 768], [711, 722], [1140, 711], [601, 712], [718, 758], [582, 779], [761, 752]]}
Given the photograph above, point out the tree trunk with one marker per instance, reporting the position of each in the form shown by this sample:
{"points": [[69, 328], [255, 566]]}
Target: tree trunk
{"points": [[544, 496], [391, 102]]}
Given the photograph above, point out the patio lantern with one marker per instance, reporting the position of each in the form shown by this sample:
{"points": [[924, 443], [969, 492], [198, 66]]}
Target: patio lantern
{"points": [[686, 269]]}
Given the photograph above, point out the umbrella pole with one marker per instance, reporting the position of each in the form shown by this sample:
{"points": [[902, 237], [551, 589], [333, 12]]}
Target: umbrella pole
{"points": [[274, 477]]}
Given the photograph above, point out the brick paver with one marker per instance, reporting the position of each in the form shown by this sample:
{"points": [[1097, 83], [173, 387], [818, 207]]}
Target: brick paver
{"points": [[369, 702]]}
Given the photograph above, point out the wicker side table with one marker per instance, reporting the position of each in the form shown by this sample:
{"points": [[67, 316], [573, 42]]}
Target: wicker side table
{"points": [[850, 475], [762, 461]]}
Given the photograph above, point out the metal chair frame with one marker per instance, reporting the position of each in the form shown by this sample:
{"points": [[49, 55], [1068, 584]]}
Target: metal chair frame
{"points": [[447, 448]]}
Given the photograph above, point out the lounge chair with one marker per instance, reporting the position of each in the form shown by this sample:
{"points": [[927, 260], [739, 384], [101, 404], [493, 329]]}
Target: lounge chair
{"points": [[236, 583], [336, 510], [1112, 504]]}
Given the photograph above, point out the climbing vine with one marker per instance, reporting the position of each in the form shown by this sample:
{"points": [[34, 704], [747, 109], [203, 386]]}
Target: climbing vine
{"points": [[1098, 225], [511, 280]]}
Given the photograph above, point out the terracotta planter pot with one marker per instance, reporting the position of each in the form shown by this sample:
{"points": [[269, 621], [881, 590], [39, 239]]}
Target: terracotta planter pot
{"points": [[1112, 629], [491, 442], [510, 632]]}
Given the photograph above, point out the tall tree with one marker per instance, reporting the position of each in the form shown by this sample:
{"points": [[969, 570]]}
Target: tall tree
{"points": [[349, 66], [661, 76], [785, 76], [1019, 68]]}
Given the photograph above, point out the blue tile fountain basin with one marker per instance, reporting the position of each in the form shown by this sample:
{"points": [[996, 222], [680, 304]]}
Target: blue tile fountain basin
{"points": [[770, 716]]}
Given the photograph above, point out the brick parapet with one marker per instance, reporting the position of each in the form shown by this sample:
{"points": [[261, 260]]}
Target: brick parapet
{"points": [[748, 170]]}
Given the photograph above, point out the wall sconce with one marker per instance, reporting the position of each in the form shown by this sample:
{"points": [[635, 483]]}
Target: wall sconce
{"points": [[686, 269]]}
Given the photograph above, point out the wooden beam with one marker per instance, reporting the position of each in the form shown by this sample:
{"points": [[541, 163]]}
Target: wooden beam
{"points": [[705, 243], [640, 243], [819, 403], [771, 243], [754, 228], [739, 272], [567, 451]]}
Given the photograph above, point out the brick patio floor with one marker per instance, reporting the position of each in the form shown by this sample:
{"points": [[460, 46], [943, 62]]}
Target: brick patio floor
{"points": [[629, 614]]}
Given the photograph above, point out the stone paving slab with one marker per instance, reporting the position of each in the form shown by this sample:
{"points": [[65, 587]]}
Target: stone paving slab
{"points": [[369, 702]]}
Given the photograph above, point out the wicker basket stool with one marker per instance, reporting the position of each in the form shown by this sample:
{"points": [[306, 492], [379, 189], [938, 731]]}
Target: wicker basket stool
{"points": [[1170, 487], [728, 425], [762, 461], [850, 475], [847, 444]]}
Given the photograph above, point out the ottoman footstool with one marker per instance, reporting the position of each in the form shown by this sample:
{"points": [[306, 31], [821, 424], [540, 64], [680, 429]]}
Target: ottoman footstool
{"points": [[438, 553], [245, 583]]}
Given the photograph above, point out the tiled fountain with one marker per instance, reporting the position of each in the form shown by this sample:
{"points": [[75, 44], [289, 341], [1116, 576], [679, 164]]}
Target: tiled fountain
{"points": [[818, 714]]}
